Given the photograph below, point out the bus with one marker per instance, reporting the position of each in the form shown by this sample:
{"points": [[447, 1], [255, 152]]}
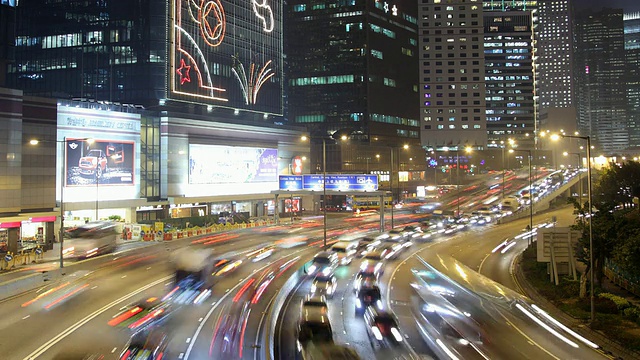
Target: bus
{"points": [[91, 239], [364, 203]]}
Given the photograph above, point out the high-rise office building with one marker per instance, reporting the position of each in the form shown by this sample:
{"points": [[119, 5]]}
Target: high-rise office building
{"points": [[452, 90], [509, 76], [600, 77], [351, 68], [632, 55], [555, 54], [7, 37], [188, 56]]}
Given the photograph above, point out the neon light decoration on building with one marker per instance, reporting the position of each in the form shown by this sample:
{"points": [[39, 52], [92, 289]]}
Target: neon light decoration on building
{"points": [[214, 39]]}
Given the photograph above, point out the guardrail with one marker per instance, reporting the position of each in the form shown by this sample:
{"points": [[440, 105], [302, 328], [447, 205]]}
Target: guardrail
{"points": [[23, 257], [276, 307]]}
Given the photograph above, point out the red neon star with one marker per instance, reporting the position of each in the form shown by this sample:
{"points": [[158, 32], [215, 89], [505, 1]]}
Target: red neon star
{"points": [[184, 77]]}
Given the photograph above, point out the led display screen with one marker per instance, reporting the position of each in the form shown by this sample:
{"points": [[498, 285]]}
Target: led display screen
{"points": [[228, 53], [8, 2], [214, 164], [99, 162]]}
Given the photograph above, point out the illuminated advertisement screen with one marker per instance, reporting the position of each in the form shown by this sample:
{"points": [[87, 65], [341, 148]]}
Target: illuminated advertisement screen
{"points": [[99, 162], [214, 164], [8, 2], [228, 54]]}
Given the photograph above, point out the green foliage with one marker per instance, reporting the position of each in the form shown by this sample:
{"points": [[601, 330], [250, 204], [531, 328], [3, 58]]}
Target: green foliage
{"points": [[632, 313], [602, 305], [620, 302], [115, 218]]}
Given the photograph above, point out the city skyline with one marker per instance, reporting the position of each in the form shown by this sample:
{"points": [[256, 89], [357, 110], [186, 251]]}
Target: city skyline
{"points": [[626, 5]]}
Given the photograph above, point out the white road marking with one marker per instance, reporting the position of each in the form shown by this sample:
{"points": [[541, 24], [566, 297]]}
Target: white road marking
{"points": [[123, 276], [200, 320], [94, 287], [46, 346], [114, 350], [26, 317], [188, 340], [149, 268]]}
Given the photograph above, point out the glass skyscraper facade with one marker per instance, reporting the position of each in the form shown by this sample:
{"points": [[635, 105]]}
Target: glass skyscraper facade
{"points": [[632, 54], [600, 77], [352, 67], [510, 77]]}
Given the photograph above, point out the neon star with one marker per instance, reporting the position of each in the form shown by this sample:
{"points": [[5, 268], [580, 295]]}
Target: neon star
{"points": [[386, 7], [184, 77], [394, 10]]}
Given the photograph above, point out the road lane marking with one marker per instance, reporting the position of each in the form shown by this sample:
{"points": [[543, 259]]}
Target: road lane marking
{"points": [[94, 287], [215, 306], [26, 317], [114, 350], [264, 314], [482, 263], [46, 346]]}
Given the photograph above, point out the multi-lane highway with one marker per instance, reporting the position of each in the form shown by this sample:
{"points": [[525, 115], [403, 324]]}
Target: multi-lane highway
{"points": [[71, 316]]}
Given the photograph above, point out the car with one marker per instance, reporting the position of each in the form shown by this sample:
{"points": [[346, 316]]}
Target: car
{"points": [[94, 163], [368, 296], [314, 326], [324, 262], [146, 345], [261, 253], [143, 315], [345, 250], [366, 244], [324, 285], [312, 301], [390, 251], [364, 280], [382, 326], [396, 235], [413, 231]]}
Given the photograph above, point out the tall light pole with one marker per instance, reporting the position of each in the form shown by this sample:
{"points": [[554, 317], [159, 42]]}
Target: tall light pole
{"points": [[529, 239], [324, 187], [579, 172], [457, 151], [591, 268], [62, 180], [504, 168], [324, 191]]}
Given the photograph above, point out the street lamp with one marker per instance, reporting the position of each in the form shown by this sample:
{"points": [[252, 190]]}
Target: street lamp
{"points": [[591, 268], [467, 149], [324, 187], [579, 172], [35, 142], [529, 239]]}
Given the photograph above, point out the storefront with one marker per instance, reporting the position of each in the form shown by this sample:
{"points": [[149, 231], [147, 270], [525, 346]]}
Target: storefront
{"points": [[27, 234]]}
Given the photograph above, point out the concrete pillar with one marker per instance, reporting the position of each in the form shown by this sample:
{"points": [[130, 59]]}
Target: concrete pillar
{"points": [[13, 236], [49, 231]]}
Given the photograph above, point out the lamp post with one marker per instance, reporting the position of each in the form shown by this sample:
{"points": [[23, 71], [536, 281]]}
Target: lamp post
{"points": [[579, 172], [591, 268], [324, 187], [530, 193], [35, 142], [504, 169], [457, 151]]}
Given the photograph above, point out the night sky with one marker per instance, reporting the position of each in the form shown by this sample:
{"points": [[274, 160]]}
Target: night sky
{"points": [[626, 5]]}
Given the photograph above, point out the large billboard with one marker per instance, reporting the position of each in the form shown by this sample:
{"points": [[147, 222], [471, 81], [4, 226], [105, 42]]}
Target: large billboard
{"points": [[228, 54], [99, 162], [215, 164]]}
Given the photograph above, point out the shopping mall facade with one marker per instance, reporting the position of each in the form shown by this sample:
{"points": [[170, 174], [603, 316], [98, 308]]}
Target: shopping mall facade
{"points": [[137, 166]]}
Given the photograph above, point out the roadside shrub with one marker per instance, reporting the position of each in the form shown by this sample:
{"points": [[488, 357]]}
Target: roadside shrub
{"points": [[602, 305], [620, 302], [631, 313]]}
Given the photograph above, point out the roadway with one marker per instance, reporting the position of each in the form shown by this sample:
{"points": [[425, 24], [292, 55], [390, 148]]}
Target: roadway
{"points": [[73, 317]]}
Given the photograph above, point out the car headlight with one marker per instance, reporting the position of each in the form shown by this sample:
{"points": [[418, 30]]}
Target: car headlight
{"points": [[379, 303], [376, 332], [313, 288], [329, 290], [358, 303], [396, 334], [326, 271], [312, 269]]}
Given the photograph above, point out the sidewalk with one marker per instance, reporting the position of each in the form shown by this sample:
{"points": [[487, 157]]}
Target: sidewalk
{"points": [[607, 345], [51, 260]]}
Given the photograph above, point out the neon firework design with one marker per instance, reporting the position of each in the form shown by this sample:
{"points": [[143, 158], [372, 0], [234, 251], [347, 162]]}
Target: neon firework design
{"points": [[209, 41]]}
